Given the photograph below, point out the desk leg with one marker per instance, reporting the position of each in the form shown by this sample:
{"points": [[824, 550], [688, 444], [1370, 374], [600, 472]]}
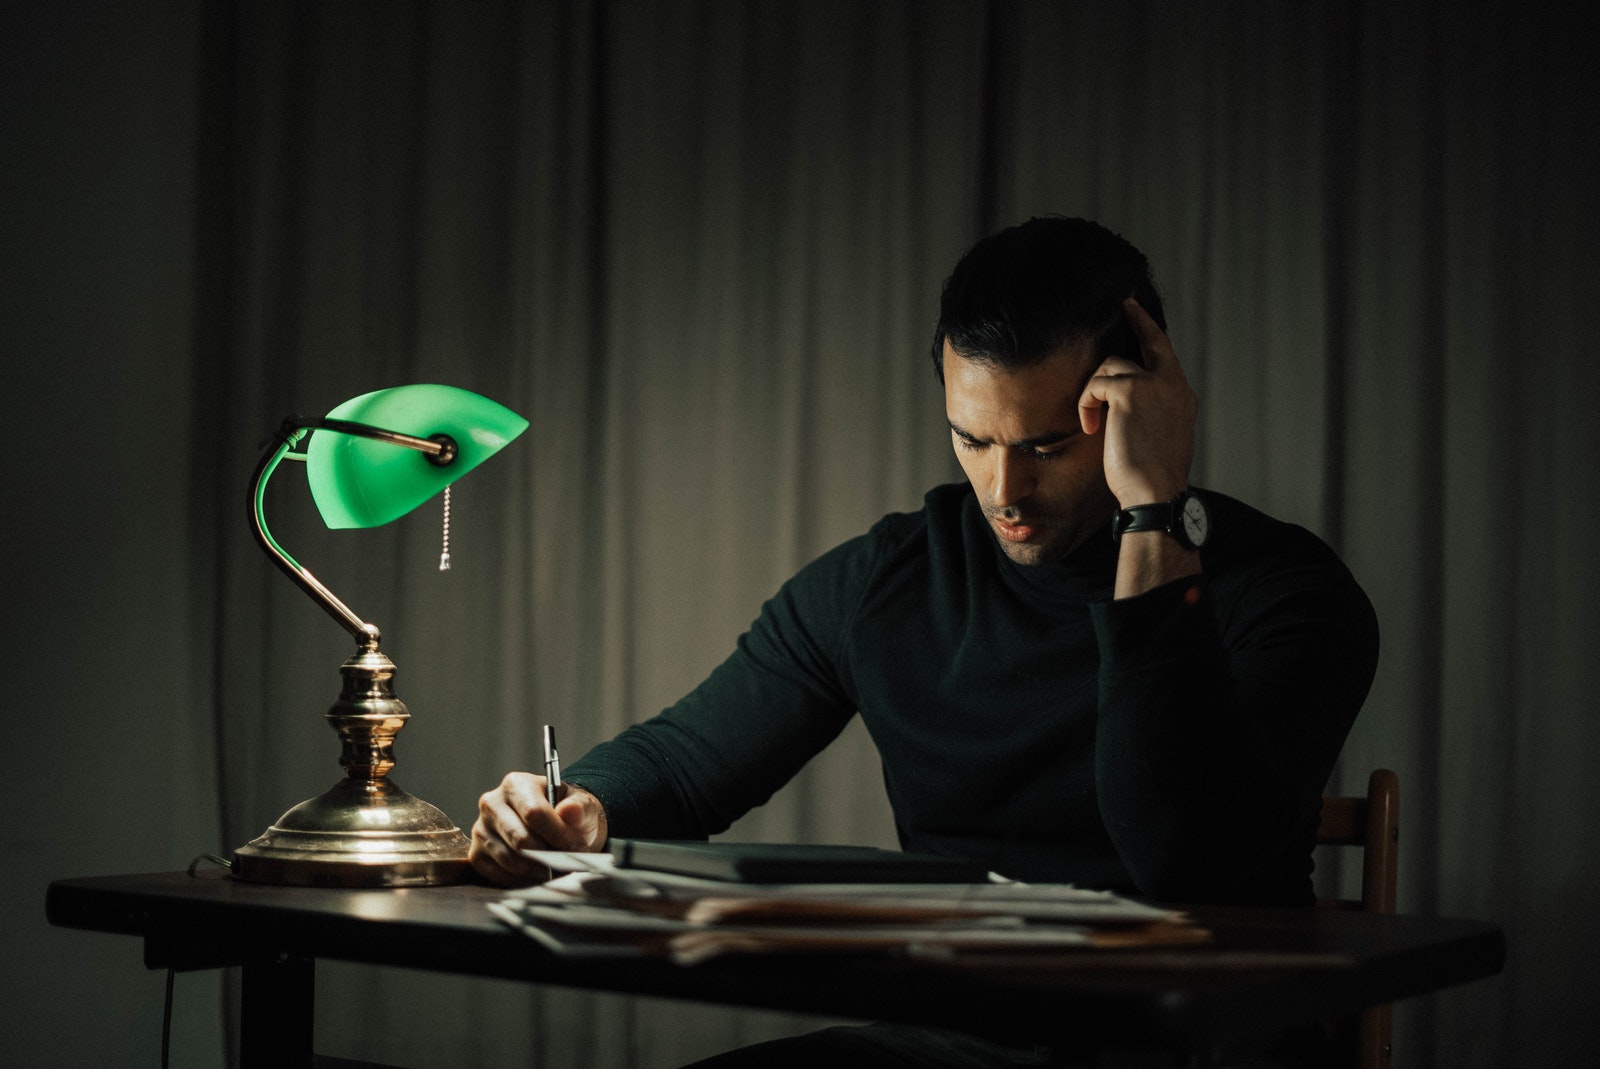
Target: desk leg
{"points": [[277, 1009]]}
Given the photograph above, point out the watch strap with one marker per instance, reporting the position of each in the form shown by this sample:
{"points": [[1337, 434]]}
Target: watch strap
{"points": [[1161, 516], [1169, 517]]}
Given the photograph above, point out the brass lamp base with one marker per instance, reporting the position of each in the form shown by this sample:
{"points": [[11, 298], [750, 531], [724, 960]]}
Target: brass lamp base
{"points": [[356, 836], [365, 831]]}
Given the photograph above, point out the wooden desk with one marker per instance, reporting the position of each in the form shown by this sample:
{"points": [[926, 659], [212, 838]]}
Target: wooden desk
{"points": [[1268, 970]]}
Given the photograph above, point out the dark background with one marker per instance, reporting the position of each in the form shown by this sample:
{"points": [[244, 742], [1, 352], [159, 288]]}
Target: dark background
{"points": [[699, 246]]}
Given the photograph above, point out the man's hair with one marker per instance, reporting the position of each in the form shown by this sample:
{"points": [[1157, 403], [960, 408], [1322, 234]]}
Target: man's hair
{"points": [[1018, 296]]}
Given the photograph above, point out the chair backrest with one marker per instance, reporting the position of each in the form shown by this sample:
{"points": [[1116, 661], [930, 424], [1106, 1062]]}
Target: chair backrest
{"points": [[1372, 823]]}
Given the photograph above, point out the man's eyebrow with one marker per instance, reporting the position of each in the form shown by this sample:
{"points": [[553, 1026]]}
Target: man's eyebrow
{"points": [[959, 433], [1036, 442]]}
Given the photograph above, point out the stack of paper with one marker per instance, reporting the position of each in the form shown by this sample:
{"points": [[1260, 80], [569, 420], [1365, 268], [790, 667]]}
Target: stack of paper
{"points": [[594, 908]]}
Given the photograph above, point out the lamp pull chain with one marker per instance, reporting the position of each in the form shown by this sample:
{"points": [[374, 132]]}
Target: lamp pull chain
{"points": [[444, 553]]}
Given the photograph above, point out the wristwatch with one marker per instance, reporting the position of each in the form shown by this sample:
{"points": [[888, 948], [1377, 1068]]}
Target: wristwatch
{"points": [[1185, 518]]}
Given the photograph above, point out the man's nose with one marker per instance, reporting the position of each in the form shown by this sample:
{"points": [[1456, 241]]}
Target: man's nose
{"points": [[1013, 477]]}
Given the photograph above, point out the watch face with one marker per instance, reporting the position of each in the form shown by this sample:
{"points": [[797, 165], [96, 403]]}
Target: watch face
{"points": [[1196, 522]]}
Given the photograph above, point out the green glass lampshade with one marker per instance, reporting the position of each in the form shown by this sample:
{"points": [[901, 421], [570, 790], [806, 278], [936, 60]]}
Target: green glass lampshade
{"points": [[364, 482]]}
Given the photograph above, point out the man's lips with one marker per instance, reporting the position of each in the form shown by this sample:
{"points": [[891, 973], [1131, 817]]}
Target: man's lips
{"points": [[1013, 532]]}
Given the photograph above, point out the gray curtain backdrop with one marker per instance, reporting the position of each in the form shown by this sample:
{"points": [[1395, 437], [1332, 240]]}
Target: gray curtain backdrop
{"points": [[699, 246]]}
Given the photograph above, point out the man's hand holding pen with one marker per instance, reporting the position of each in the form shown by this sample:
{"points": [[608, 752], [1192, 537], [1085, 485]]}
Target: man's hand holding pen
{"points": [[519, 815]]}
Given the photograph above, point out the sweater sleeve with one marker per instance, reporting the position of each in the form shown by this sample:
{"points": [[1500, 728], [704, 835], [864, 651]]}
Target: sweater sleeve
{"points": [[727, 746], [1215, 741]]}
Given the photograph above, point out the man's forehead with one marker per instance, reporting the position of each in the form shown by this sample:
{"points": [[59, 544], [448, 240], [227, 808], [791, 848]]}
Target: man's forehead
{"points": [[1045, 390]]}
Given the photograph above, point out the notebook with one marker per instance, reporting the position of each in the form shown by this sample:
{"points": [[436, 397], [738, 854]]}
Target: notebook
{"points": [[792, 862]]}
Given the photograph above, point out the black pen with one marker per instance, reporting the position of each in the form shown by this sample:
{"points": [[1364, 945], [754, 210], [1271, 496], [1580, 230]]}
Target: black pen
{"points": [[552, 766]]}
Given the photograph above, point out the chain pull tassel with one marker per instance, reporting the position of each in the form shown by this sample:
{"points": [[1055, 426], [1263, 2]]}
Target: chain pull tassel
{"points": [[444, 553]]}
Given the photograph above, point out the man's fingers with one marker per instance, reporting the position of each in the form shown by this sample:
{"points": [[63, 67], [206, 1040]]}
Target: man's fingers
{"points": [[514, 808], [1106, 387], [569, 810], [1113, 368], [559, 828], [497, 861], [1091, 417], [522, 791], [489, 856]]}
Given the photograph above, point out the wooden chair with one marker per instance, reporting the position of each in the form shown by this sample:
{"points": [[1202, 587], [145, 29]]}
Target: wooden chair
{"points": [[1372, 823]]}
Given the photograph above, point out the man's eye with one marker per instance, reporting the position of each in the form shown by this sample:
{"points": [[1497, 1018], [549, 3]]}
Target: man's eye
{"points": [[968, 443]]}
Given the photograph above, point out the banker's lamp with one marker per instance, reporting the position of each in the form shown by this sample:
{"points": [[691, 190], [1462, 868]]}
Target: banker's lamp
{"points": [[369, 461]]}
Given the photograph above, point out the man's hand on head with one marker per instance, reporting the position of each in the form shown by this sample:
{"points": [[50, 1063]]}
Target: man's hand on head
{"points": [[1147, 415], [515, 816]]}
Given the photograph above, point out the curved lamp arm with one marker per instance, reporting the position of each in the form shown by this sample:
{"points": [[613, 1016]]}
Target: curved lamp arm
{"points": [[440, 450]]}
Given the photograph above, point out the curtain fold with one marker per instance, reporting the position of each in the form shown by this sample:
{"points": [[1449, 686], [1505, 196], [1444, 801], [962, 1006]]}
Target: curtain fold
{"points": [[699, 246]]}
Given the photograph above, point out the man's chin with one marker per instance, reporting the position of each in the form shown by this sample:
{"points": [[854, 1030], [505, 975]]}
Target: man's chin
{"points": [[1048, 544], [1028, 553]]}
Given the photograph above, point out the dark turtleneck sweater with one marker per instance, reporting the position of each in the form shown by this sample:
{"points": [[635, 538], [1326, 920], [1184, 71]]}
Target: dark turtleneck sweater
{"points": [[1173, 745]]}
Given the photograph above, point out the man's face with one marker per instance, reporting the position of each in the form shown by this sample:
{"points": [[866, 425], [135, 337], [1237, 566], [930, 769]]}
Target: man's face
{"points": [[1040, 480]]}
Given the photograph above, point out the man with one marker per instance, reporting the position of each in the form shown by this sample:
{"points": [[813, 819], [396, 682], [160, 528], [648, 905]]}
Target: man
{"points": [[1075, 667]]}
